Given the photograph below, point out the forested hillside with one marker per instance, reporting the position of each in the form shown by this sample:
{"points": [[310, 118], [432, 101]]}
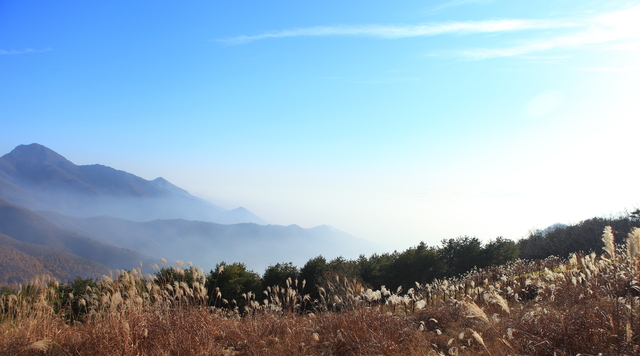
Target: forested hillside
{"points": [[33, 246], [582, 236], [21, 261]]}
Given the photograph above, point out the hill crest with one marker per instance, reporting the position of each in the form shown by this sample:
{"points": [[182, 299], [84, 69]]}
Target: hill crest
{"points": [[39, 178]]}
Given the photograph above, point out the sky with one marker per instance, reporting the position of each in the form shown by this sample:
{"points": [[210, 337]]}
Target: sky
{"points": [[394, 121]]}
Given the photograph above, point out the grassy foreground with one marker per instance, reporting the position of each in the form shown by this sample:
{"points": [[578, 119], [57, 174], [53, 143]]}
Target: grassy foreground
{"points": [[586, 305]]}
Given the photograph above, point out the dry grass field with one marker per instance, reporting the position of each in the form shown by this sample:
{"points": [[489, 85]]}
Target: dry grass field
{"points": [[586, 305]]}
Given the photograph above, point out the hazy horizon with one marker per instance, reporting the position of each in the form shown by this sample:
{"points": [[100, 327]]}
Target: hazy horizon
{"points": [[394, 122]]}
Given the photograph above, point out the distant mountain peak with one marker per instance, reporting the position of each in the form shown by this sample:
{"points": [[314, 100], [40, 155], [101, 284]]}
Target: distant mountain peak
{"points": [[35, 150], [31, 148], [35, 154], [39, 178], [161, 182]]}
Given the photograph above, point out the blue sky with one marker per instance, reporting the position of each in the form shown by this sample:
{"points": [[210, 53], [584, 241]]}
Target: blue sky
{"points": [[394, 121]]}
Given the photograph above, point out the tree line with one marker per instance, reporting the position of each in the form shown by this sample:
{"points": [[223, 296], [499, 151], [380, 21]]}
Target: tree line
{"points": [[419, 264], [585, 236], [229, 284]]}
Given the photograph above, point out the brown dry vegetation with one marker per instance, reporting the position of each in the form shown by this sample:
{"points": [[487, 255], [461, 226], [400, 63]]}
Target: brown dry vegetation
{"points": [[587, 305]]}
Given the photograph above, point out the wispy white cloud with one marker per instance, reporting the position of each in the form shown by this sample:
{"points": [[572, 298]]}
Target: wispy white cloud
{"points": [[534, 46], [24, 51], [614, 29], [404, 31], [546, 57]]}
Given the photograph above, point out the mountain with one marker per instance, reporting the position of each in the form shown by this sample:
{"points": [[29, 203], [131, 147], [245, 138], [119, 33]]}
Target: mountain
{"points": [[102, 218], [206, 244], [32, 245], [38, 178]]}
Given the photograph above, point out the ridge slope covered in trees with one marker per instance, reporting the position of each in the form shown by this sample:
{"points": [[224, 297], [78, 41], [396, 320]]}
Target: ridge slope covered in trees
{"points": [[40, 246]]}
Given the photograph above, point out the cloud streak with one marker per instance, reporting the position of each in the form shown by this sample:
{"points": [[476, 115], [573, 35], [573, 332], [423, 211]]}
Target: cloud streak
{"points": [[405, 31], [619, 26], [24, 51], [619, 29]]}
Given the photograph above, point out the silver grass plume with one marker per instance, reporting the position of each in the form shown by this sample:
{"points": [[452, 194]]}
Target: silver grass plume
{"points": [[41, 345], [633, 243], [475, 312], [479, 339], [497, 299], [609, 246]]}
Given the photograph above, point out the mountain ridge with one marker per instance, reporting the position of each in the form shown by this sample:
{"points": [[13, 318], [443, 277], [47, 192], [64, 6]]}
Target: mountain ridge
{"points": [[39, 178], [205, 243]]}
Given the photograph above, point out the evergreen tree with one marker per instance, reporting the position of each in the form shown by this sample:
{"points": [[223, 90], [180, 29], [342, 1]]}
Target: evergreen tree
{"points": [[312, 273], [278, 275], [231, 281]]}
